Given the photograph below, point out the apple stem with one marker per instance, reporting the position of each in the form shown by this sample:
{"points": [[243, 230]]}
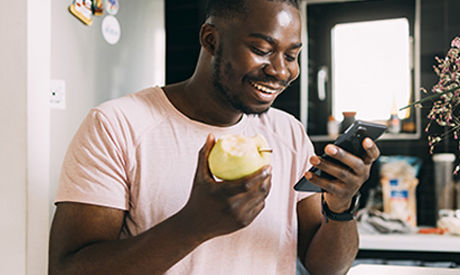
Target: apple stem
{"points": [[265, 150]]}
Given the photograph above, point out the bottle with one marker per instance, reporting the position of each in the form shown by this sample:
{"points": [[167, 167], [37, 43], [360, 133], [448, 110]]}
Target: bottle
{"points": [[394, 123], [443, 181], [332, 127]]}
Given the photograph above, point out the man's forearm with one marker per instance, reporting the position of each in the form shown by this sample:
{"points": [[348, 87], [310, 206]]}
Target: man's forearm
{"points": [[333, 248], [152, 252]]}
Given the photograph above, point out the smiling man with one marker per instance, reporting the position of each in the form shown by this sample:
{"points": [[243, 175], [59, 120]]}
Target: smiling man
{"points": [[136, 195]]}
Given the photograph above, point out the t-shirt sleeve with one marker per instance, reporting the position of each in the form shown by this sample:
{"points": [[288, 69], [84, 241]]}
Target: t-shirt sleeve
{"points": [[93, 170]]}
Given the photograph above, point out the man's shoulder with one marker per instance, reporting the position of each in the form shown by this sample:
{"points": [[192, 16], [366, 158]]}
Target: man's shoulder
{"points": [[144, 104], [140, 100], [136, 111]]}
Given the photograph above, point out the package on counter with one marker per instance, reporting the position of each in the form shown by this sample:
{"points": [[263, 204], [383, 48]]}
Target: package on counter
{"points": [[398, 177], [449, 220]]}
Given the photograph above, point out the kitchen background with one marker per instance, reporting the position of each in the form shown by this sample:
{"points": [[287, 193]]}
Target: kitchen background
{"points": [[440, 23], [158, 45]]}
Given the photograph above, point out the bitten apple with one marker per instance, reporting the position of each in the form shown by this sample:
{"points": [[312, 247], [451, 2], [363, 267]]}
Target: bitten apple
{"points": [[237, 156]]}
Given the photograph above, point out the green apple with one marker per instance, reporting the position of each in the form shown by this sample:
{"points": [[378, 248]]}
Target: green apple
{"points": [[236, 156]]}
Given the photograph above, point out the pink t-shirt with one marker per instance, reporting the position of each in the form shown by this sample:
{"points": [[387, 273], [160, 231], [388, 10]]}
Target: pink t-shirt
{"points": [[138, 153]]}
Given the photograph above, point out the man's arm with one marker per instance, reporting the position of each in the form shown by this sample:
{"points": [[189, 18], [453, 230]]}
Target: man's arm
{"points": [[84, 238], [325, 248], [331, 247]]}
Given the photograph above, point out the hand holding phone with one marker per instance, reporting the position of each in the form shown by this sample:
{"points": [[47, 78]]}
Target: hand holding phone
{"points": [[351, 141]]}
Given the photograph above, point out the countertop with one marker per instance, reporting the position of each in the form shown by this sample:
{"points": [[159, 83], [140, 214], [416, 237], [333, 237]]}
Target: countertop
{"points": [[411, 242], [370, 269]]}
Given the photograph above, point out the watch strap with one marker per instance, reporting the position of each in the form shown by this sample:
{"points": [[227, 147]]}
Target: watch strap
{"points": [[346, 215]]}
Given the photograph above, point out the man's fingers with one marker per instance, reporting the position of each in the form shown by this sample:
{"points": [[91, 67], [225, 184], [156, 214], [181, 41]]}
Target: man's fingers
{"points": [[253, 211], [352, 165], [258, 176], [210, 141], [372, 151], [246, 206], [348, 177], [203, 167], [258, 180], [331, 186]]}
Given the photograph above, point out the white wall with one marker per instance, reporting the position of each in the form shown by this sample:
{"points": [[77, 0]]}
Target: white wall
{"points": [[42, 41], [38, 134], [13, 146], [24, 140], [95, 71]]}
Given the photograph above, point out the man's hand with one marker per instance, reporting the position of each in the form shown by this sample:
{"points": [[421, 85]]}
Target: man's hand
{"points": [[218, 208], [349, 179]]}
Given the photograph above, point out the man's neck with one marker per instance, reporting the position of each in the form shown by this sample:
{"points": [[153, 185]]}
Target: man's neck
{"points": [[199, 102]]}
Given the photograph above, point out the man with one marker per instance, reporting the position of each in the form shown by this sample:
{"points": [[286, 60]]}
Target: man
{"points": [[135, 197]]}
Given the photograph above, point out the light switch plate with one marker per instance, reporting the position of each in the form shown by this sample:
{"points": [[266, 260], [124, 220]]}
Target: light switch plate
{"points": [[57, 94]]}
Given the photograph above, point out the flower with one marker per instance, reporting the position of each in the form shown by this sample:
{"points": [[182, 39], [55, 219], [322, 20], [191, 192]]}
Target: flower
{"points": [[455, 43], [445, 110]]}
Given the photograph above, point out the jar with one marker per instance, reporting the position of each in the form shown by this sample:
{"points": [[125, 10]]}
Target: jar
{"points": [[394, 124]]}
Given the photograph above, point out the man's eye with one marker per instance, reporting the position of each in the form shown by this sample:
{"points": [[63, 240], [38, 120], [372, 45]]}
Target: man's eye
{"points": [[290, 58], [259, 51]]}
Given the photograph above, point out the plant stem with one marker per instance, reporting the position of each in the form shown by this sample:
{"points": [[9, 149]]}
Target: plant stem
{"points": [[435, 96]]}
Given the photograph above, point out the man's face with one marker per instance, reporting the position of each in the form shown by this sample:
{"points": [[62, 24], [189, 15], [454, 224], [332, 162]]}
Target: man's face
{"points": [[256, 58]]}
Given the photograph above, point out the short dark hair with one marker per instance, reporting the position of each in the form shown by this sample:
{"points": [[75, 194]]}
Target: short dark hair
{"points": [[231, 8]]}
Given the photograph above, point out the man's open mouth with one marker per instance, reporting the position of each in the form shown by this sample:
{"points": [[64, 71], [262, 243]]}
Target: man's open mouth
{"points": [[264, 88]]}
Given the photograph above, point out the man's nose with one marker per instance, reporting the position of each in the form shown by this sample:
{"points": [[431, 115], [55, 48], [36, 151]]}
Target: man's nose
{"points": [[277, 68]]}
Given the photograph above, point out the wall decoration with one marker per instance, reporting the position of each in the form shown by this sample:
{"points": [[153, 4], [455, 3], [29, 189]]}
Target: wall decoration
{"points": [[97, 7], [82, 9], [112, 6], [111, 29]]}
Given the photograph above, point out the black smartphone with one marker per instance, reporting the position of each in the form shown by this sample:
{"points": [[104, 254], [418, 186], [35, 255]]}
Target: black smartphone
{"points": [[351, 141]]}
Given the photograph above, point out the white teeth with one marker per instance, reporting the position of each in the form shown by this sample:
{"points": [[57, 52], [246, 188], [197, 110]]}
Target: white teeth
{"points": [[263, 88]]}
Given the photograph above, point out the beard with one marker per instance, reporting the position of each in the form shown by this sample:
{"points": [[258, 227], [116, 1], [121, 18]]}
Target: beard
{"points": [[224, 92]]}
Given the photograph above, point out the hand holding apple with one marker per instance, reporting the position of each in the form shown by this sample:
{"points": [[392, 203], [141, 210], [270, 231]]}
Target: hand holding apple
{"points": [[218, 209]]}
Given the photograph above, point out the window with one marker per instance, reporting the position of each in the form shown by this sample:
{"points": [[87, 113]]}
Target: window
{"points": [[371, 60], [363, 57]]}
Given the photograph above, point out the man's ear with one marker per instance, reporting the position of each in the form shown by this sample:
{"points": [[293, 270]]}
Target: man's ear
{"points": [[208, 37]]}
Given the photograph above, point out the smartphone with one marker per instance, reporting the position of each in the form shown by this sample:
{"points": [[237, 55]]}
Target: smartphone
{"points": [[351, 141]]}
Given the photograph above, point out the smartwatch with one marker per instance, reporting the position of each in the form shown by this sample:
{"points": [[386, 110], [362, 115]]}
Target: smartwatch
{"points": [[346, 215]]}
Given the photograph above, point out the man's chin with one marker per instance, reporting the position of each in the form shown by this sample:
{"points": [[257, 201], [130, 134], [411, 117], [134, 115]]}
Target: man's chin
{"points": [[255, 108]]}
